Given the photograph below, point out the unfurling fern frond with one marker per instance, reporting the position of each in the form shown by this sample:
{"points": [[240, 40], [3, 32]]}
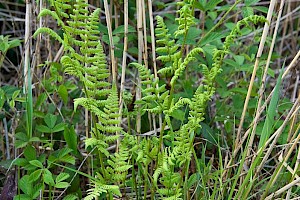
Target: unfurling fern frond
{"points": [[98, 188], [153, 97], [186, 17], [147, 151], [53, 14], [109, 122], [190, 57], [61, 7], [169, 179], [162, 163], [119, 164], [50, 32], [184, 136], [92, 105], [166, 48], [101, 145]]}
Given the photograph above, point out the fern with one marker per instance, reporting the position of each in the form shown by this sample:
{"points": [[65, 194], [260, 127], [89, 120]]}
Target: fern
{"points": [[84, 59], [166, 48], [98, 188], [186, 17], [190, 57], [62, 7], [184, 137], [153, 98], [147, 151], [119, 164], [169, 179]]}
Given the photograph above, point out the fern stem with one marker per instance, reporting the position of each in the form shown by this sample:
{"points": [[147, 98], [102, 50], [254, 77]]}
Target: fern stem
{"points": [[134, 177], [145, 181]]}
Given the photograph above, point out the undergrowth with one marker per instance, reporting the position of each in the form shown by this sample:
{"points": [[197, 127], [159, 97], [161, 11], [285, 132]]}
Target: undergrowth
{"points": [[126, 155]]}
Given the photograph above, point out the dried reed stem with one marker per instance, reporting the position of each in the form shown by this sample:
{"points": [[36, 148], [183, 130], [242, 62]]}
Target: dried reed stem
{"points": [[259, 53]]}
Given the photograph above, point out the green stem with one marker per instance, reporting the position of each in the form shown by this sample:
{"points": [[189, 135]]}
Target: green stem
{"points": [[220, 22], [134, 177], [145, 181]]}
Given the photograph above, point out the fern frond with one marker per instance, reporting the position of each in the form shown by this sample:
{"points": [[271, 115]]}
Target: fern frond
{"points": [[44, 12], [98, 188], [186, 17], [101, 145], [49, 32], [190, 57], [61, 7], [166, 48]]}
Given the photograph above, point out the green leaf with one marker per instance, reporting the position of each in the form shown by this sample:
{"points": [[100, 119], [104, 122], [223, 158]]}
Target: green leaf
{"points": [[71, 138], [34, 139], [212, 37], [178, 114], [50, 32], [14, 43], [30, 153], [239, 90], [211, 4], [63, 93], [208, 133], [35, 175], [4, 47], [261, 9], [61, 177], [103, 29], [43, 129], [271, 72], [2, 98], [62, 185], [40, 100], [192, 35], [20, 99], [105, 39], [63, 152], [15, 94], [22, 197], [193, 179], [36, 163], [269, 121], [70, 197], [6, 164], [58, 127], [50, 120], [68, 159], [239, 59], [21, 140], [48, 178], [20, 162], [22, 136], [250, 2], [12, 103], [36, 191], [120, 29], [9, 90], [199, 5], [25, 184], [247, 11]]}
